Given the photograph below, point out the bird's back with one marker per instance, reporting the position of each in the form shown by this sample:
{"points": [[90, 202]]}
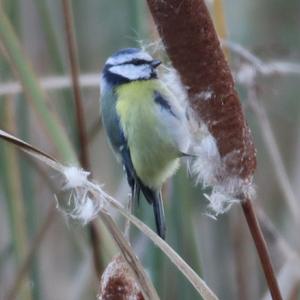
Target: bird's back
{"points": [[111, 120]]}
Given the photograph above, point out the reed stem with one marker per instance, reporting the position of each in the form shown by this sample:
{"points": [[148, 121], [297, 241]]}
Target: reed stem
{"points": [[81, 125], [261, 248]]}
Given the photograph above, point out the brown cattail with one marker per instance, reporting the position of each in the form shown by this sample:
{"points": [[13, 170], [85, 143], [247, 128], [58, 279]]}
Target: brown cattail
{"points": [[117, 282], [194, 49]]}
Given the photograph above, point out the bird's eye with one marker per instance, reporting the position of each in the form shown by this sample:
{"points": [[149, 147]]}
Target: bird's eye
{"points": [[138, 62]]}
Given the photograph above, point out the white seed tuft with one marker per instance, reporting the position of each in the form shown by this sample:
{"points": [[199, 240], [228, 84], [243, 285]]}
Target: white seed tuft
{"points": [[81, 205], [75, 177]]}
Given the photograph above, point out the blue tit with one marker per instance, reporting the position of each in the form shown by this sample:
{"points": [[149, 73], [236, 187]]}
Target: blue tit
{"points": [[144, 124]]}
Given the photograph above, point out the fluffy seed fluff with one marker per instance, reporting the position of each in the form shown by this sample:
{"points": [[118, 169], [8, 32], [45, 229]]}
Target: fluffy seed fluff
{"points": [[206, 166], [82, 204], [75, 177]]}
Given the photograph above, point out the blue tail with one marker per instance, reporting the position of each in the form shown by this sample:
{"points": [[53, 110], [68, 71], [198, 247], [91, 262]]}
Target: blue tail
{"points": [[154, 198]]}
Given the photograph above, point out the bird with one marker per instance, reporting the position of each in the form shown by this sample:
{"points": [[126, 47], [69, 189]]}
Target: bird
{"points": [[144, 123]]}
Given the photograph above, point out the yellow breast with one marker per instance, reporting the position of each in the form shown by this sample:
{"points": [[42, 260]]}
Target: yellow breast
{"points": [[153, 154]]}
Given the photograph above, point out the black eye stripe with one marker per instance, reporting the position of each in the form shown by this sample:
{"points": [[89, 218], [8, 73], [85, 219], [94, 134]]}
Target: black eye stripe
{"points": [[136, 62], [140, 62]]}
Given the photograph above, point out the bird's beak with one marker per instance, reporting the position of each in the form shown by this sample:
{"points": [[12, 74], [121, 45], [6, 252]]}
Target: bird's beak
{"points": [[155, 63]]}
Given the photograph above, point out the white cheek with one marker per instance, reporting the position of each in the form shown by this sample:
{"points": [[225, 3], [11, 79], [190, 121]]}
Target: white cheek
{"points": [[132, 72]]}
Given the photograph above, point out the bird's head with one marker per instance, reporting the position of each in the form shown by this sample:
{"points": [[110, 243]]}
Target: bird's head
{"points": [[128, 65]]}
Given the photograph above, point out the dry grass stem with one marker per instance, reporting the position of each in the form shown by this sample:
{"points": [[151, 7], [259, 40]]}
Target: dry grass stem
{"points": [[272, 67], [136, 267], [103, 199], [52, 83]]}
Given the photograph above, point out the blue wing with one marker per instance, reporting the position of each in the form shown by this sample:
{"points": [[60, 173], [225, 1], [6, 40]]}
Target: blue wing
{"points": [[172, 117], [115, 134], [160, 100]]}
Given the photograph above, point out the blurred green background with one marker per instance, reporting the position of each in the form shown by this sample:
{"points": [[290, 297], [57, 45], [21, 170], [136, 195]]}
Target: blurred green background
{"points": [[221, 251]]}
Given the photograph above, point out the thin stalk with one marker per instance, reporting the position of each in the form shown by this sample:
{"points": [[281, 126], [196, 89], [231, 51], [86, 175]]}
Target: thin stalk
{"points": [[83, 138], [133, 262], [56, 82], [27, 179], [52, 43], [261, 248], [32, 251], [32, 89], [74, 64], [56, 57], [95, 239], [16, 201], [12, 7]]}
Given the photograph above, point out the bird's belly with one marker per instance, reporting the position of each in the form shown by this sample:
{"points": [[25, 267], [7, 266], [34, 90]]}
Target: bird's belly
{"points": [[154, 166], [153, 154]]}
